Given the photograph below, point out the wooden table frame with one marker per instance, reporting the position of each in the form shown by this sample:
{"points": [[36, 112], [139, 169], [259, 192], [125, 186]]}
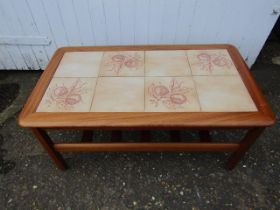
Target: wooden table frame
{"points": [[254, 122]]}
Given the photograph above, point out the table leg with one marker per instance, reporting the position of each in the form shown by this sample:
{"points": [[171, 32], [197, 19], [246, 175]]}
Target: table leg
{"points": [[47, 143], [204, 136], [244, 146]]}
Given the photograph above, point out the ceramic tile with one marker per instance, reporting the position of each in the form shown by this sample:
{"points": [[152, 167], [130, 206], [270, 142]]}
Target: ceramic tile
{"points": [[170, 94], [166, 63], [223, 94], [68, 95], [211, 62], [123, 63], [79, 64], [119, 94]]}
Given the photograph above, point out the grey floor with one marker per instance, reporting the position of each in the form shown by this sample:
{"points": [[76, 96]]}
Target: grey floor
{"points": [[29, 179]]}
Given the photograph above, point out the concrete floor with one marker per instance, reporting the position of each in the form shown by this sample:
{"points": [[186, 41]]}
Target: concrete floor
{"points": [[29, 179]]}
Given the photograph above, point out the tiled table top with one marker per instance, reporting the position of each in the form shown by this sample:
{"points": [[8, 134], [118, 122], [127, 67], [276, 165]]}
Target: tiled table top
{"points": [[147, 81]]}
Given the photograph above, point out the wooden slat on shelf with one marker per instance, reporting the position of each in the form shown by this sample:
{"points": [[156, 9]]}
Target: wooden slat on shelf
{"points": [[146, 147]]}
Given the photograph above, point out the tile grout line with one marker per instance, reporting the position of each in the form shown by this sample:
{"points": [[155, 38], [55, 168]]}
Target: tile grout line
{"points": [[97, 78], [188, 63], [93, 95], [197, 96], [195, 86], [186, 53], [232, 60]]}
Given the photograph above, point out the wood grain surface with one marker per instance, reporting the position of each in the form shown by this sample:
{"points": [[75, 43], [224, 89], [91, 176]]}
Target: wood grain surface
{"points": [[263, 117]]}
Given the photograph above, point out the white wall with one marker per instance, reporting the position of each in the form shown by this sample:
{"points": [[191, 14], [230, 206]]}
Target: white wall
{"points": [[31, 30]]}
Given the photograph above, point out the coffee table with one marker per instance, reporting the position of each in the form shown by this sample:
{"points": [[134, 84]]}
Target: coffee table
{"points": [[196, 87]]}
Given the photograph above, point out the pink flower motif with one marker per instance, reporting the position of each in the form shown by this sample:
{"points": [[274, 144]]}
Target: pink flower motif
{"points": [[208, 61], [118, 61], [66, 97], [172, 97]]}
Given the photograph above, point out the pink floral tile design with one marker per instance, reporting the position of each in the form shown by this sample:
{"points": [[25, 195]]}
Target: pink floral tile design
{"points": [[79, 64], [166, 63], [223, 94], [211, 62], [123, 63], [68, 95], [119, 94], [170, 94]]}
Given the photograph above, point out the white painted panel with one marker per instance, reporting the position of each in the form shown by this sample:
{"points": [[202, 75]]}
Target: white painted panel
{"points": [[228, 21], [2, 62], [16, 23], [127, 21], [155, 21], [11, 56], [98, 21], [68, 16], [257, 39], [214, 19], [243, 14], [200, 18], [55, 22], [170, 18], [85, 27], [6, 59], [185, 18], [25, 40], [112, 13], [141, 26], [29, 28], [39, 16], [245, 24]]}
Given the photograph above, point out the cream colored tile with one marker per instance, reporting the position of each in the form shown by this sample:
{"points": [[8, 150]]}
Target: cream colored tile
{"points": [[123, 63], [79, 64], [211, 62], [68, 95], [166, 63], [223, 94], [119, 94], [170, 94]]}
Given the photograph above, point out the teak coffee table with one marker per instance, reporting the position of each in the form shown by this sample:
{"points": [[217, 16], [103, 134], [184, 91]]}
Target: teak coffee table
{"points": [[201, 87]]}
